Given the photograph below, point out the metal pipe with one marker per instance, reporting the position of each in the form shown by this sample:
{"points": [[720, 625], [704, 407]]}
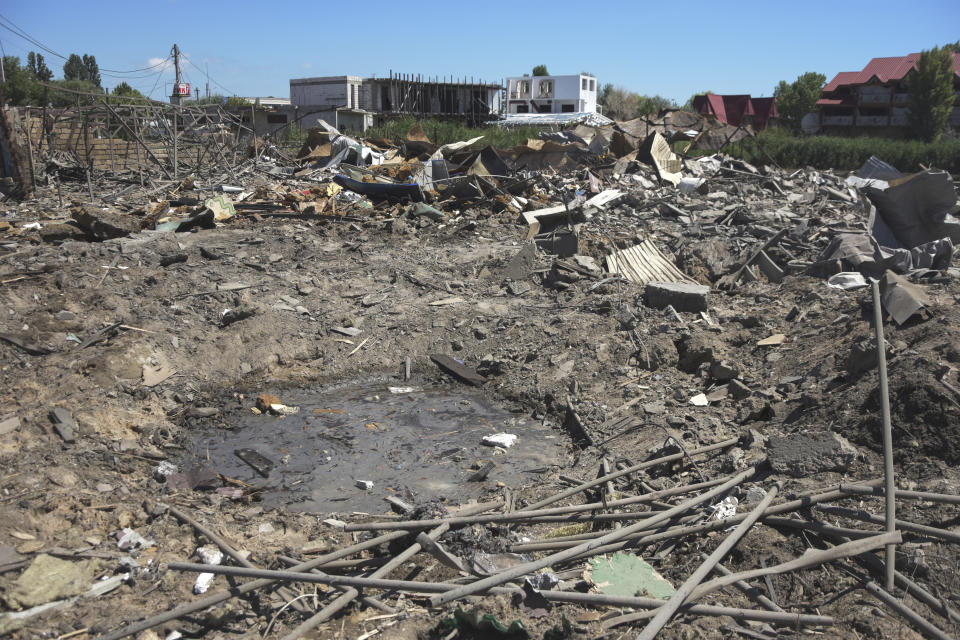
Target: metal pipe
{"points": [[560, 556], [227, 549], [933, 532], [222, 596], [645, 538], [351, 593], [527, 515], [902, 494], [890, 487], [749, 590], [597, 599], [666, 612], [894, 603], [622, 472]]}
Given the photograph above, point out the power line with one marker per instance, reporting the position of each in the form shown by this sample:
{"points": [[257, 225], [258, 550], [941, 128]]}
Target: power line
{"points": [[32, 41], [23, 34], [232, 93]]}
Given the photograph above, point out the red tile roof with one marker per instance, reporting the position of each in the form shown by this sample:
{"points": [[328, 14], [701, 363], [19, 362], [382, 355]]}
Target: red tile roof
{"points": [[884, 70], [731, 109]]}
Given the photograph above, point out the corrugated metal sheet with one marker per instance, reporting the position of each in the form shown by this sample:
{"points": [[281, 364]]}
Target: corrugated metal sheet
{"points": [[645, 263]]}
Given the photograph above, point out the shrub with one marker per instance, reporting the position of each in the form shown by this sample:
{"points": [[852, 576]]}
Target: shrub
{"points": [[829, 152]]}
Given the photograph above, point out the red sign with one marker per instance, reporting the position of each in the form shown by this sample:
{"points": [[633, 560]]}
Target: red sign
{"points": [[181, 89]]}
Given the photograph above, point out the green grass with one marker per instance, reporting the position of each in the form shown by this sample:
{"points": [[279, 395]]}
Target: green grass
{"points": [[831, 152], [443, 132]]}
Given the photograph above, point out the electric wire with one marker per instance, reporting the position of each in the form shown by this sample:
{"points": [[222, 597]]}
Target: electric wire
{"points": [[23, 34]]}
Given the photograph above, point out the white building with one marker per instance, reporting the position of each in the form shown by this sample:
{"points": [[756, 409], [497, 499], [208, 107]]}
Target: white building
{"points": [[329, 91], [552, 94]]}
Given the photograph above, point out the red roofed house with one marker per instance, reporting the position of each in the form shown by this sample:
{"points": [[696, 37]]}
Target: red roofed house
{"points": [[737, 109], [876, 96]]}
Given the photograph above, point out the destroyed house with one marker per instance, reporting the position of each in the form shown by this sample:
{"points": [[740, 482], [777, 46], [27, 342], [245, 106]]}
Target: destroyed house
{"points": [[473, 100], [552, 94], [877, 96], [737, 109]]}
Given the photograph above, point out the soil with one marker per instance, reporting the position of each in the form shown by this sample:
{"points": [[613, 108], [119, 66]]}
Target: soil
{"points": [[416, 288]]}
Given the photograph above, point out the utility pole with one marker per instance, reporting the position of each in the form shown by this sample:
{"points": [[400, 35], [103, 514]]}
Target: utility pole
{"points": [[207, 65], [175, 98]]}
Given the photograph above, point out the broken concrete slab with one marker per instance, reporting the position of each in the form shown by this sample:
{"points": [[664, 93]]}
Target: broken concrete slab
{"points": [[806, 454], [521, 264], [63, 424], [48, 579], [696, 349], [102, 225], [682, 296]]}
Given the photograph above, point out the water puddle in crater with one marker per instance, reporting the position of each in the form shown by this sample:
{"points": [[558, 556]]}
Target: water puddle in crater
{"points": [[418, 445]]}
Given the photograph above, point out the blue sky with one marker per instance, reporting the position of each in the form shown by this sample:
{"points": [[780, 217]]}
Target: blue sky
{"points": [[667, 48]]}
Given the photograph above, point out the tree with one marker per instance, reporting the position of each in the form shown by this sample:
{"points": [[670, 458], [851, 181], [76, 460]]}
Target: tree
{"points": [[73, 68], [688, 105], [76, 91], [619, 103], [126, 93], [603, 93], [38, 67], [540, 70], [931, 93], [953, 46], [799, 98], [92, 69], [647, 105], [235, 101], [17, 87]]}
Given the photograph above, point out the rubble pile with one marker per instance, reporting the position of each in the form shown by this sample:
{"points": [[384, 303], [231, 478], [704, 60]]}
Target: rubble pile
{"points": [[695, 332]]}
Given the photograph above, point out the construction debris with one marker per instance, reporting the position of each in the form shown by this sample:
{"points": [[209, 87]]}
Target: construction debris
{"points": [[679, 350]]}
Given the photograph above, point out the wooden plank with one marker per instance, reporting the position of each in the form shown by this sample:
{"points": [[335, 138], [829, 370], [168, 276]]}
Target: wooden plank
{"points": [[457, 370]]}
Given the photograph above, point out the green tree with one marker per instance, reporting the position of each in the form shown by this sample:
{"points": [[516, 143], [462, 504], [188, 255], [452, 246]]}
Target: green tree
{"points": [[953, 46], [647, 105], [931, 94], [17, 87], [76, 91], [234, 101], [73, 68], [603, 93], [125, 93], [92, 70], [799, 98], [688, 105], [540, 70], [38, 67]]}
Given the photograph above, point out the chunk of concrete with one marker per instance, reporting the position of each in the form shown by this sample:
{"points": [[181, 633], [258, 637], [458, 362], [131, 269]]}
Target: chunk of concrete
{"points": [[805, 454], [724, 370], [738, 390], [696, 349], [682, 296], [47, 579], [101, 225]]}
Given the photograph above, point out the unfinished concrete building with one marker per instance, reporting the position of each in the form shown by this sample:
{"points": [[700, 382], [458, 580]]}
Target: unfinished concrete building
{"points": [[473, 100]]}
